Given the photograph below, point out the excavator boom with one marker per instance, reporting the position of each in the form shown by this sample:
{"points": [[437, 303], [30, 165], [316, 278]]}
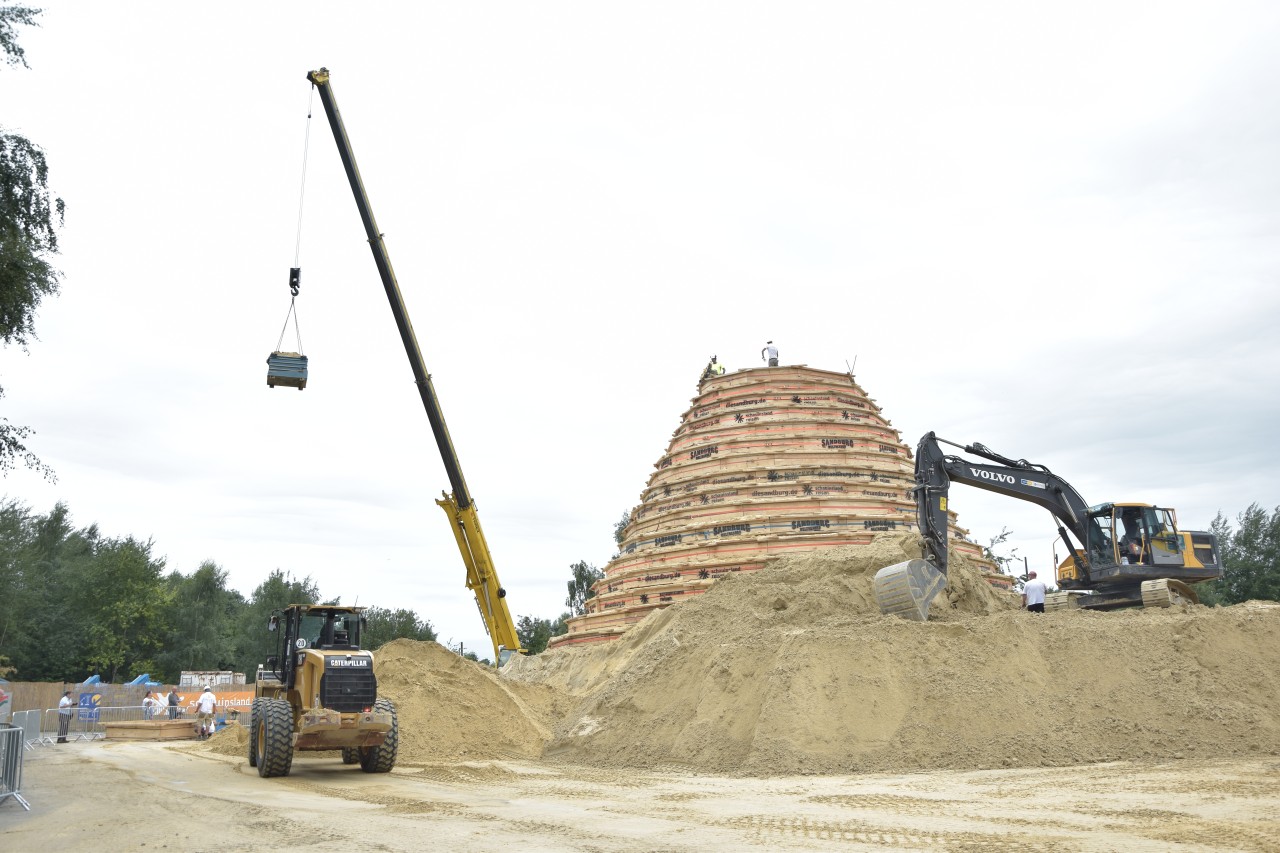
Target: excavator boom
{"points": [[1163, 560]]}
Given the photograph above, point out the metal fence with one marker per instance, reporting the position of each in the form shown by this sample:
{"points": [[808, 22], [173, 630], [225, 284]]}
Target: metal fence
{"points": [[11, 751], [82, 723]]}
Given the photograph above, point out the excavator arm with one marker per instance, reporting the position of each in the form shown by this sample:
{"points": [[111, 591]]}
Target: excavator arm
{"points": [[906, 589], [482, 578]]}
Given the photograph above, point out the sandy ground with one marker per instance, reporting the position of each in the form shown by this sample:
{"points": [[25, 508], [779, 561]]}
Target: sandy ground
{"points": [[135, 796]]}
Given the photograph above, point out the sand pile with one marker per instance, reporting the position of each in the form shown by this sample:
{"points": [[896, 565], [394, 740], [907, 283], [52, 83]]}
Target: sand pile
{"points": [[793, 670], [232, 739], [452, 709]]}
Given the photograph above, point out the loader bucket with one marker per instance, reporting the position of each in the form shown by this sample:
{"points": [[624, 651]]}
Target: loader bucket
{"points": [[905, 589]]}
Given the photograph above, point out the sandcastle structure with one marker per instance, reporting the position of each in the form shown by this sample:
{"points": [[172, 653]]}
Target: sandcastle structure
{"points": [[766, 462]]}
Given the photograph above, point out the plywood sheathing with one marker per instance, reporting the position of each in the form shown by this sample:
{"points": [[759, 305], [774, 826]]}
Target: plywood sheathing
{"points": [[765, 463]]}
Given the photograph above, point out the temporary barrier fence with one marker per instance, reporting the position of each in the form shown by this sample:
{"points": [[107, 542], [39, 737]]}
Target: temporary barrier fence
{"points": [[29, 723], [87, 722], [11, 752]]}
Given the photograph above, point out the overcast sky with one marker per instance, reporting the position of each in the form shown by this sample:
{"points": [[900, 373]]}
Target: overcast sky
{"points": [[1052, 230]]}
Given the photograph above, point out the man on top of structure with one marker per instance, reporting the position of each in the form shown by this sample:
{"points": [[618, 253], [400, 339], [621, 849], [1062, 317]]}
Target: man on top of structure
{"points": [[771, 351], [714, 368]]}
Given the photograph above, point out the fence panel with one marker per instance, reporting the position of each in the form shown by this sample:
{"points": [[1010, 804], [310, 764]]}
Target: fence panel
{"points": [[11, 751]]}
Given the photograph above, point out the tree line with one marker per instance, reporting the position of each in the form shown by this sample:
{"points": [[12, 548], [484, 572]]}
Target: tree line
{"points": [[76, 603]]}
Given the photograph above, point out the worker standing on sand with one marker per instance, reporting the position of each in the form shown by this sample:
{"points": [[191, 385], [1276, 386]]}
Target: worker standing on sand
{"points": [[771, 352], [1033, 594], [205, 706]]}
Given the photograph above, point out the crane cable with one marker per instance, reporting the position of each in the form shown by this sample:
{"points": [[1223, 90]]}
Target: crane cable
{"points": [[295, 272]]}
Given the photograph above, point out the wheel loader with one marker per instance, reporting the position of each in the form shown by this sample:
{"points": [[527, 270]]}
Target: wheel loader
{"points": [[318, 692]]}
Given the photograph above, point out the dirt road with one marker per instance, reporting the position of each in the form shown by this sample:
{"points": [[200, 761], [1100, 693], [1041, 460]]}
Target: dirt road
{"points": [[139, 796]]}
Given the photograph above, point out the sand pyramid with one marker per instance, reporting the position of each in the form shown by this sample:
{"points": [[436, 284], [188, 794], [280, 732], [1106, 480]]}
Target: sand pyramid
{"points": [[765, 462]]}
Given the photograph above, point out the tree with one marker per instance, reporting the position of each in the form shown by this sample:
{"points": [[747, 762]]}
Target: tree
{"points": [[30, 216], [561, 625], [204, 617], [1003, 561], [382, 626], [122, 600], [534, 634], [254, 641], [620, 526], [1250, 557], [584, 576]]}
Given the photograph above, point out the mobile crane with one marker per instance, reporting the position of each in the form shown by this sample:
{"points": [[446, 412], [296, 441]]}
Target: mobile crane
{"points": [[482, 578], [1129, 554]]}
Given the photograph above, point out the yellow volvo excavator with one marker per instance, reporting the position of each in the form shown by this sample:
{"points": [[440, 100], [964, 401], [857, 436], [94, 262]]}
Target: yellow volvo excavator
{"points": [[1121, 554], [482, 577]]}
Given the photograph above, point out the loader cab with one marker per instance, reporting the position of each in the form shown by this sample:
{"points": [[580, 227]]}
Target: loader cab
{"points": [[330, 628], [1133, 534]]}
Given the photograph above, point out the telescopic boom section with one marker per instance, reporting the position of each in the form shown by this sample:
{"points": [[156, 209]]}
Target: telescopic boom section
{"points": [[482, 578]]}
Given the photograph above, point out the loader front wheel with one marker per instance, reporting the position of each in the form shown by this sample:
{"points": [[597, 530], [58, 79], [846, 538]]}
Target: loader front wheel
{"points": [[275, 738], [255, 723], [381, 758], [350, 755]]}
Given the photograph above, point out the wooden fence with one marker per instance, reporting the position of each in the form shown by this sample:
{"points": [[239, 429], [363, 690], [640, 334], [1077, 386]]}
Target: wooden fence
{"points": [[42, 695]]}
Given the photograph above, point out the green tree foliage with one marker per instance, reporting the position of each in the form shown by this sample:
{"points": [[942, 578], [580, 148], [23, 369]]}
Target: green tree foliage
{"points": [[1005, 563], [30, 216], [620, 526], [584, 576], [203, 621], [561, 625], [383, 625], [254, 641], [1250, 555], [534, 634], [75, 602], [11, 17], [121, 600]]}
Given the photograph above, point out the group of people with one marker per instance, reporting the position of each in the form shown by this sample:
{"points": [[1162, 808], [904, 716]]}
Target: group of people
{"points": [[769, 355], [206, 705]]}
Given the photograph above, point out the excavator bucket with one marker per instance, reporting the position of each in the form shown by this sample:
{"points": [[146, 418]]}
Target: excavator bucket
{"points": [[906, 589]]}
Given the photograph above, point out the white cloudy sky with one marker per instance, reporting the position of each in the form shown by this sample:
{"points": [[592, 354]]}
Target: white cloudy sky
{"points": [[1052, 230]]}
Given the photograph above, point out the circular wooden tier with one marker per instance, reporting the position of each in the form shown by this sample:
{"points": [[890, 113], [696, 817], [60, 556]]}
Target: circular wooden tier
{"points": [[765, 462]]}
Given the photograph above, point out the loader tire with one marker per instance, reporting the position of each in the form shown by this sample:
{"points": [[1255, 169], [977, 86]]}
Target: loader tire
{"points": [[275, 738], [350, 755], [255, 720], [381, 758]]}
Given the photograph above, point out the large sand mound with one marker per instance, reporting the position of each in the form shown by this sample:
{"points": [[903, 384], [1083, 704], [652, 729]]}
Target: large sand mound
{"points": [[792, 669]]}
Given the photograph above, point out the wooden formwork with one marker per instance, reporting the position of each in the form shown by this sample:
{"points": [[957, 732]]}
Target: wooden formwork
{"points": [[765, 462]]}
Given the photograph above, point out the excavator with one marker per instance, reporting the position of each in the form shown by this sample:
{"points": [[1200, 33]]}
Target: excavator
{"points": [[482, 577], [1128, 554]]}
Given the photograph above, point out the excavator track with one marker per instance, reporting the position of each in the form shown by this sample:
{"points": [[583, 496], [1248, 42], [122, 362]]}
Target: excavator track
{"points": [[1167, 593], [1061, 601]]}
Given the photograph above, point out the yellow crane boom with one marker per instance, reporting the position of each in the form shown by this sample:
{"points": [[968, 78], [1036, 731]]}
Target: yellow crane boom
{"points": [[482, 578]]}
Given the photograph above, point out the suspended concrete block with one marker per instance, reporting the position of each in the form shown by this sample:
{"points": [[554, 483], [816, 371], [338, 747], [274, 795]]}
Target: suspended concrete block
{"points": [[287, 368], [765, 462]]}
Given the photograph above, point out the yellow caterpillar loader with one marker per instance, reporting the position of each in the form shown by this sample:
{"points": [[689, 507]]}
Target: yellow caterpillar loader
{"points": [[318, 692]]}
